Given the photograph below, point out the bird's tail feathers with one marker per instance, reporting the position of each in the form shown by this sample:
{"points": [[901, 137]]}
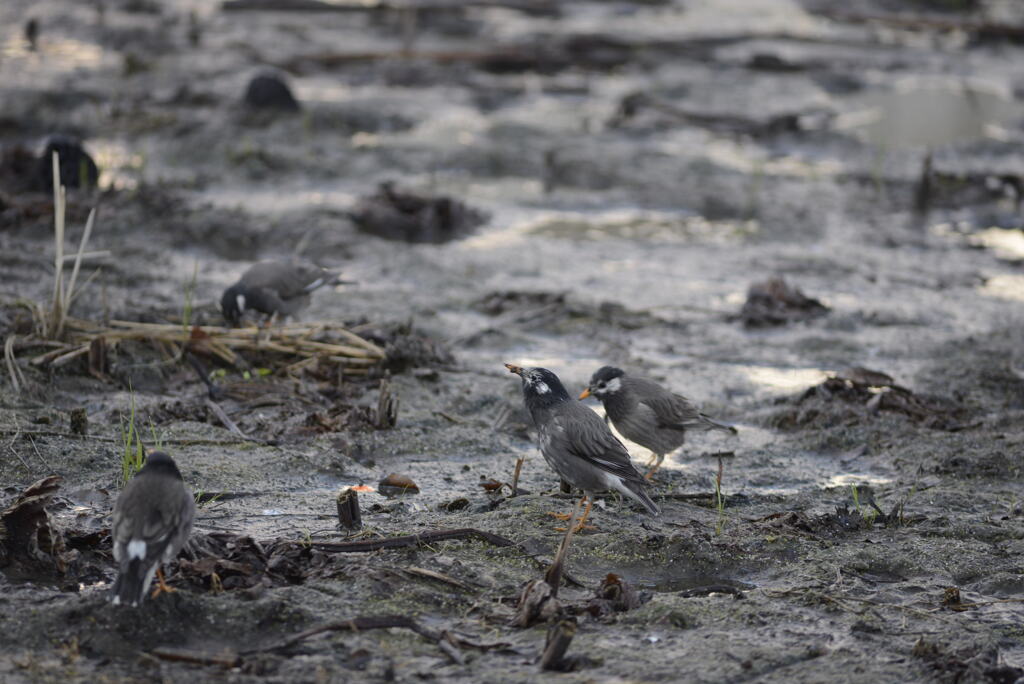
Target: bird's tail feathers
{"points": [[133, 580], [711, 424], [638, 490]]}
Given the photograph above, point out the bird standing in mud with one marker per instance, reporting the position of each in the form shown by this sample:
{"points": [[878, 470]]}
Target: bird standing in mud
{"points": [[152, 520], [275, 288], [646, 413], [577, 444]]}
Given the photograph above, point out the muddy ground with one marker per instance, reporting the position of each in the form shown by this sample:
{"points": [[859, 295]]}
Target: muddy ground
{"points": [[640, 165]]}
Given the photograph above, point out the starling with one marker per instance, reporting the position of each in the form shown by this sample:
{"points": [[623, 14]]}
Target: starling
{"points": [[648, 414], [576, 443], [152, 520], [275, 288]]}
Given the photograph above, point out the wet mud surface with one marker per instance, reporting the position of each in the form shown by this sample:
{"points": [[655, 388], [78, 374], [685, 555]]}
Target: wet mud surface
{"points": [[567, 185]]}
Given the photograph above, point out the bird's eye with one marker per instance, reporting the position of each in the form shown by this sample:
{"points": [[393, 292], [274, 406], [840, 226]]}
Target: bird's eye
{"points": [[600, 385]]}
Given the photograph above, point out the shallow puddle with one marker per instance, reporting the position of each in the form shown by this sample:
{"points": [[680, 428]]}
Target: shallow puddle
{"points": [[919, 113]]}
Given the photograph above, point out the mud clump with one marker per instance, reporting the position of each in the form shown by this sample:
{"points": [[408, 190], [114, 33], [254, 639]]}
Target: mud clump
{"points": [[542, 310], [871, 392], [966, 664], [406, 348], [270, 92], [775, 302], [407, 217]]}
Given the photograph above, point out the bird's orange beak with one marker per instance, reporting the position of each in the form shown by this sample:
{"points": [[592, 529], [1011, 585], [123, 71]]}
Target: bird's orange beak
{"points": [[514, 369], [584, 394]]}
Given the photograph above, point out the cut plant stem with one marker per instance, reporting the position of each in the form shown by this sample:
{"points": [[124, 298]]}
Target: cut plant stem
{"points": [[348, 509]]}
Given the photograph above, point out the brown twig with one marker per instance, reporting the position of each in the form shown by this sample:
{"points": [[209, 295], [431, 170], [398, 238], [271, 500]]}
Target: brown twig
{"points": [[440, 577], [554, 574], [559, 637], [515, 476], [227, 422], [413, 540], [10, 446], [356, 624], [226, 658]]}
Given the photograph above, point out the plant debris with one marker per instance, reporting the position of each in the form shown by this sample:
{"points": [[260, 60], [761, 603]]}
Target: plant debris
{"points": [[775, 302], [875, 392], [407, 217], [28, 537]]}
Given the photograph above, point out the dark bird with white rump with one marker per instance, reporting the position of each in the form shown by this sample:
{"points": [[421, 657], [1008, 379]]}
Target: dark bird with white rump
{"points": [[577, 444], [646, 413], [275, 288], [152, 520]]}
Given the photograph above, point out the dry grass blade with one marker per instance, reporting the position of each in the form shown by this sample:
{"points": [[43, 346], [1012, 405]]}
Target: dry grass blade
{"points": [[58, 257], [17, 378], [70, 292], [342, 346], [52, 325]]}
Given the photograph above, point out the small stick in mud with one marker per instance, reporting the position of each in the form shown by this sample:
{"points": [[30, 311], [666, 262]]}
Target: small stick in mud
{"points": [[386, 415], [554, 574], [348, 509], [515, 476], [538, 601], [226, 658], [412, 540], [20, 458], [79, 421], [559, 637], [224, 419], [448, 642]]}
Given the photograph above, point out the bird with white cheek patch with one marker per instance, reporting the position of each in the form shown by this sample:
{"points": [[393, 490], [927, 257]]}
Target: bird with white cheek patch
{"points": [[648, 414], [152, 520], [577, 444], [275, 288]]}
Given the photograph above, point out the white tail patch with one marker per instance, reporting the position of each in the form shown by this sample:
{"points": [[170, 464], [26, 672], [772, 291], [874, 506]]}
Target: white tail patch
{"points": [[315, 284], [137, 549], [240, 301]]}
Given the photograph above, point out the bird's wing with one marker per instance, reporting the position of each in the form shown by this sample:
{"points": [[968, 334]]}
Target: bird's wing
{"points": [[675, 412], [672, 411], [288, 279], [587, 437]]}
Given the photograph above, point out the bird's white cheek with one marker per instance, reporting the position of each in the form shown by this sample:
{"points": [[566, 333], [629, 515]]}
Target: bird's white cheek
{"points": [[240, 300], [542, 388], [614, 385]]}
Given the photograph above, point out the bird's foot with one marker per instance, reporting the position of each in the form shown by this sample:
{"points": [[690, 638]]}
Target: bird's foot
{"points": [[161, 586], [650, 473], [560, 516]]}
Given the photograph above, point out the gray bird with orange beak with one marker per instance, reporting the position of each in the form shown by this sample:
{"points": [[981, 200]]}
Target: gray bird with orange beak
{"points": [[576, 443], [152, 520], [646, 413]]}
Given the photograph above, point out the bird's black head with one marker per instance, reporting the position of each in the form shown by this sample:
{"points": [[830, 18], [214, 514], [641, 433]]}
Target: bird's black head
{"points": [[232, 305], [159, 463], [541, 387], [605, 382]]}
